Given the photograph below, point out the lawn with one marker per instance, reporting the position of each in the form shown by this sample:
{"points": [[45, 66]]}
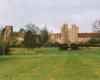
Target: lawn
{"points": [[51, 64]]}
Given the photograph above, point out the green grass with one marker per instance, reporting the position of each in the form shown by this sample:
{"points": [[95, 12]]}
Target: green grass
{"points": [[51, 64]]}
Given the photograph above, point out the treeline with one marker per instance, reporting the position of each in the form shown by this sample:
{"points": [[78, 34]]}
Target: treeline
{"points": [[29, 37]]}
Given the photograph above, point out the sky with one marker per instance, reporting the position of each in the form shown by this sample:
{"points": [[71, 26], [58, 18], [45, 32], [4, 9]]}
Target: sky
{"points": [[50, 13]]}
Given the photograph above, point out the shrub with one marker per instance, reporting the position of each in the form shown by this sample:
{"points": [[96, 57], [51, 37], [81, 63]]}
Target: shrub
{"points": [[96, 45], [14, 46], [87, 45], [74, 46], [81, 44], [56, 44], [63, 46], [94, 41]]}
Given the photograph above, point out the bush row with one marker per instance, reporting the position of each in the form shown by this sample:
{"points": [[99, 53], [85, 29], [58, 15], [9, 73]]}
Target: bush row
{"points": [[69, 47]]}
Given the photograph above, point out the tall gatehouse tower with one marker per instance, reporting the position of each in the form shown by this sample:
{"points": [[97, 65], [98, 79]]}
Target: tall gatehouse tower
{"points": [[64, 33], [69, 35], [73, 34]]}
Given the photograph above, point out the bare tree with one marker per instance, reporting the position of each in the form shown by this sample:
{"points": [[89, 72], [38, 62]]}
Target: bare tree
{"points": [[32, 27], [96, 26]]}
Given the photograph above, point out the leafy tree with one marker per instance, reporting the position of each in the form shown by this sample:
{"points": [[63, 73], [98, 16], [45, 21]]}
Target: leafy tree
{"points": [[35, 31], [32, 27], [44, 36], [22, 30], [41, 36], [29, 40]]}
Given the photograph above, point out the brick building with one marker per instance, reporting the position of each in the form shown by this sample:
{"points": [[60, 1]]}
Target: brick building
{"points": [[72, 35]]}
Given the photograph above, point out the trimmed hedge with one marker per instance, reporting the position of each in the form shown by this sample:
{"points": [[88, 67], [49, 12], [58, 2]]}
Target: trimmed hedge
{"points": [[66, 47], [74, 46], [85, 44], [63, 46]]}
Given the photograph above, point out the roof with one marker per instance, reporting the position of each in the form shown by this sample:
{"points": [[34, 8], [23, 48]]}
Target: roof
{"points": [[89, 35], [84, 35], [56, 33]]}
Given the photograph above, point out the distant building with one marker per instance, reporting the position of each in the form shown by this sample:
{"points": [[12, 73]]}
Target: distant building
{"points": [[72, 35], [20, 37], [84, 37]]}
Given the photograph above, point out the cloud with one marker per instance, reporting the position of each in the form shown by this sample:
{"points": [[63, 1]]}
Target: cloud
{"points": [[52, 13]]}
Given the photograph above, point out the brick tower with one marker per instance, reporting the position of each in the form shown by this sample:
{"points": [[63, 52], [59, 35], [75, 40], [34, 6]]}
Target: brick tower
{"points": [[64, 33], [73, 38]]}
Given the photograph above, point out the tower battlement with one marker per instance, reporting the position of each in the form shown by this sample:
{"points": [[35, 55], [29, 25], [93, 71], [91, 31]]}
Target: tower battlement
{"points": [[69, 35]]}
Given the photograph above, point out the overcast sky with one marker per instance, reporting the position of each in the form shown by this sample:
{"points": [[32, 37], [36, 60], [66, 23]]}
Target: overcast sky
{"points": [[52, 13]]}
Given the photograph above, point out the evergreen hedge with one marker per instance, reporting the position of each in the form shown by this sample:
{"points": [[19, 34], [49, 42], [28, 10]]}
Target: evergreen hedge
{"points": [[63, 46], [66, 47], [74, 46]]}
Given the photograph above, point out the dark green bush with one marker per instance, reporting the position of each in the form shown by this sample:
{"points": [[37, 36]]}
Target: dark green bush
{"points": [[81, 44], [14, 46], [74, 46], [63, 46], [94, 41], [56, 44], [86, 44]]}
